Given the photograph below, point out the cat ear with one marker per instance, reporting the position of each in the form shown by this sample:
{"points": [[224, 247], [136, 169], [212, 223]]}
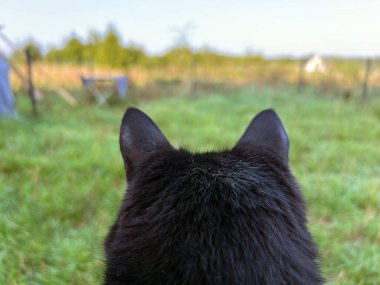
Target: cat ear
{"points": [[266, 130], [139, 137]]}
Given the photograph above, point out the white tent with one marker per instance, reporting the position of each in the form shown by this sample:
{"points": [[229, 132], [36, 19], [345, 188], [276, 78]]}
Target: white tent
{"points": [[7, 105]]}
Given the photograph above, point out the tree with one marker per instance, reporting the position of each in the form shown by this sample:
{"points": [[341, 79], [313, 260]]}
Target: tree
{"points": [[92, 45], [110, 50], [101, 50], [72, 51], [132, 55], [35, 51], [180, 56]]}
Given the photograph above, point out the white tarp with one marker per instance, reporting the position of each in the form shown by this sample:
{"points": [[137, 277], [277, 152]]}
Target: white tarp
{"points": [[7, 104]]}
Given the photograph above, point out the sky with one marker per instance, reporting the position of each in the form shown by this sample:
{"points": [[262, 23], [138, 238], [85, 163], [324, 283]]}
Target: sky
{"points": [[270, 27]]}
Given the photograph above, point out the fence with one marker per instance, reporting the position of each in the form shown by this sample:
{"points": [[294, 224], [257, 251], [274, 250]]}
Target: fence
{"points": [[349, 78]]}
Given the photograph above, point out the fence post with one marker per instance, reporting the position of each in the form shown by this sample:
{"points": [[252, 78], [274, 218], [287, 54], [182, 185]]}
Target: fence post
{"points": [[366, 77], [30, 82], [301, 81], [193, 78]]}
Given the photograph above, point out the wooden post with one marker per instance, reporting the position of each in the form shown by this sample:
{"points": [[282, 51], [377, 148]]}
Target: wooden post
{"points": [[91, 67], [366, 76], [30, 82], [193, 79], [301, 81]]}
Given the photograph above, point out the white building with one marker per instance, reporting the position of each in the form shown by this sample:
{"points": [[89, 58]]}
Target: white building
{"points": [[315, 63]]}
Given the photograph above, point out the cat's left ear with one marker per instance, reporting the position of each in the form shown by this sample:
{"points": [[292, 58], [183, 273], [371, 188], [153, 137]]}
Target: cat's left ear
{"points": [[267, 131], [139, 138]]}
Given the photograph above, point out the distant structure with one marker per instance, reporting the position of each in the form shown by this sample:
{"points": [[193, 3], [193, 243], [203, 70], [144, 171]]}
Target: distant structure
{"points": [[7, 106], [315, 63]]}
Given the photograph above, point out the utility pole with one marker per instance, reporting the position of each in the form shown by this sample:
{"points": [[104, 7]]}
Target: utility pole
{"points": [[183, 36]]}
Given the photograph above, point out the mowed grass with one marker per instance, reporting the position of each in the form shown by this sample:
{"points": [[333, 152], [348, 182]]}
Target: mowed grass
{"points": [[61, 178]]}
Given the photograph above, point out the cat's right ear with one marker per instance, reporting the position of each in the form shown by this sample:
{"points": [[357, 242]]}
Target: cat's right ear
{"points": [[139, 138], [266, 130]]}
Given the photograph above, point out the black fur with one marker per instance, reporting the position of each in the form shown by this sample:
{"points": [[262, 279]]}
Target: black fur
{"points": [[230, 217]]}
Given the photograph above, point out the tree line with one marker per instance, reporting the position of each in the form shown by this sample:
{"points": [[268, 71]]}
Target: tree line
{"points": [[108, 50]]}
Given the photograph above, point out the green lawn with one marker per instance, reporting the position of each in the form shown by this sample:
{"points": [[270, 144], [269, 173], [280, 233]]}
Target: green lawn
{"points": [[61, 178]]}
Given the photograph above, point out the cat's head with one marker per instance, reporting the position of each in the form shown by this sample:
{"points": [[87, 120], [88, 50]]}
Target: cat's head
{"points": [[168, 184], [140, 138], [223, 217]]}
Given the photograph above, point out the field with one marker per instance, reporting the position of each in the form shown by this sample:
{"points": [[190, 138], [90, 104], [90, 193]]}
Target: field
{"points": [[61, 177]]}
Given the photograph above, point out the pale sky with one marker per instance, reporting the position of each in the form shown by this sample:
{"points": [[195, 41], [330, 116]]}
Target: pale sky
{"points": [[272, 27]]}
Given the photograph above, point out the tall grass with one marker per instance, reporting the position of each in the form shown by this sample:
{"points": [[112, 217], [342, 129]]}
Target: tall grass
{"points": [[61, 178], [340, 74]]}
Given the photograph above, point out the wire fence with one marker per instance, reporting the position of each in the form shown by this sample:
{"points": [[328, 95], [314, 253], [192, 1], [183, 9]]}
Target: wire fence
{"points": [[347, 78]]}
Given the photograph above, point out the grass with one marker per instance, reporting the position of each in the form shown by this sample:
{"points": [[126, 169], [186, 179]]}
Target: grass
{"points": [[61, 178]]}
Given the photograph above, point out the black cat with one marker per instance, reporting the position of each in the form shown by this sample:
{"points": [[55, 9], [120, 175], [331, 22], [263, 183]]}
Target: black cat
{"points": [[229, 217]]}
